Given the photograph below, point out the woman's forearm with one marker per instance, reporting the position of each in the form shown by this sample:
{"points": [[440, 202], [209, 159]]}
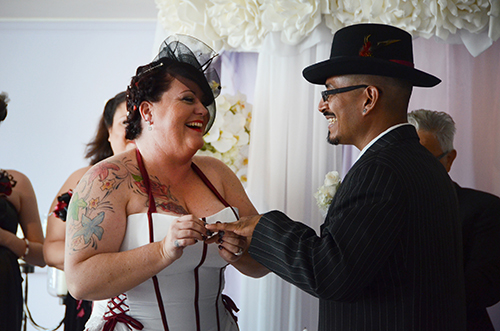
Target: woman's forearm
{"points": [[54, 253], [106, 275]]}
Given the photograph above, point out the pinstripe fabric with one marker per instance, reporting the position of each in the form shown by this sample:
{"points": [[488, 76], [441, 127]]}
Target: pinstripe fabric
{"points": [[389, 254]]}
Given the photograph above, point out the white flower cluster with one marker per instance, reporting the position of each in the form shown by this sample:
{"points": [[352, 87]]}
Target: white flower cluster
{"points": [[325, 193], [229, 138], [244, 24]]}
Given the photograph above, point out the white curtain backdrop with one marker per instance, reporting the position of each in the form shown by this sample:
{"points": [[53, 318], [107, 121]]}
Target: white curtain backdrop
{"points": [[288, 160], [289, 155]]}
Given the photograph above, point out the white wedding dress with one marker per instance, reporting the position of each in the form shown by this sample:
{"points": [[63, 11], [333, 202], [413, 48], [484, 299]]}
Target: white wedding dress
{"points": [[192, 300]]}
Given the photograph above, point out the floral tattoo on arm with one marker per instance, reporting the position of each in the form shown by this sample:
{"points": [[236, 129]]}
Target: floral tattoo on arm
{"points": [[88, 210]]}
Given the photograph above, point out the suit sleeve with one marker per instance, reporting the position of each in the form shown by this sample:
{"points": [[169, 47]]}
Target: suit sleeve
{"points": [[361, 230]]}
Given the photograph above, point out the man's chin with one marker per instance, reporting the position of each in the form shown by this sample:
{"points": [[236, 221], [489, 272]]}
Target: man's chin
{"points": [[332, 140]]}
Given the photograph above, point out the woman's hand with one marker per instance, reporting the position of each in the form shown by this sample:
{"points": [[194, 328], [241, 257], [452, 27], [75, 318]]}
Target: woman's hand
{"points": [[231, 246], [185, 231]]}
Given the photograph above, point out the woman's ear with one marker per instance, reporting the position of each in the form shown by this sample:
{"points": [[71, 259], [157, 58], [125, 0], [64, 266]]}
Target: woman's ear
{"points": [[146, 110], [372, 95]]}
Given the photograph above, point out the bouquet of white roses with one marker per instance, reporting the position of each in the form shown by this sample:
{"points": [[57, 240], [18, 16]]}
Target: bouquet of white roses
{"points": [[229, 137], [325, 193]]}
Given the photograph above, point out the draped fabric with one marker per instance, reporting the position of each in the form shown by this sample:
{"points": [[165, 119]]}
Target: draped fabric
{"points": [[288, 160], [470, 93], [289, 155]]}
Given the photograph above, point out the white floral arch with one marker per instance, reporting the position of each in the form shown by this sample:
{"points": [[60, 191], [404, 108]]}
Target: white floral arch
{"points": [[242, 25]]}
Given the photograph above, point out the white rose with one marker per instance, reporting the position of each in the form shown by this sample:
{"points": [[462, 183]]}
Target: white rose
{"points": [[325, 193], [296, 19], [188, 17], [238, 21], [332, 178]]}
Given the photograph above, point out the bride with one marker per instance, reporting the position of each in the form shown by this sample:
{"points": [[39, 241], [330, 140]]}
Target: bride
{"points": [[136, 221]]}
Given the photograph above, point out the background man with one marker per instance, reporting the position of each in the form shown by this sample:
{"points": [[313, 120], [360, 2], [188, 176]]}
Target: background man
{"points": [[480, 218], [389, 255]]}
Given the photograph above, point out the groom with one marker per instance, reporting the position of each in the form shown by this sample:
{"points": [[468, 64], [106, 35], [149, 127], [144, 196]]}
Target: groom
{"points": [[389, 253]]}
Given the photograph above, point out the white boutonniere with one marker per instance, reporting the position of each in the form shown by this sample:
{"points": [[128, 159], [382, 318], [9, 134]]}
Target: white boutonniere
{"points": [[325, 193]]}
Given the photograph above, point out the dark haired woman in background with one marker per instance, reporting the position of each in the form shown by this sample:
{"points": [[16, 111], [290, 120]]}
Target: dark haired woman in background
{"points": [[18, 206], [109, 139]]}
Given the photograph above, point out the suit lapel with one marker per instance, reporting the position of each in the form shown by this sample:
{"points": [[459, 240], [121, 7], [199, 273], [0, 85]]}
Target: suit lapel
{"points": [[392, 137]]}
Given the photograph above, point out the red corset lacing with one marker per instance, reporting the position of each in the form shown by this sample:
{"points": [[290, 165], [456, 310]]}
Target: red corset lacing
{"points": [[117, 312]]}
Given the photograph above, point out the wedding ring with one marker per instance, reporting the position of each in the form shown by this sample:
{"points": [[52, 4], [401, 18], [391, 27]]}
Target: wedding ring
{"points": [[176, 244], [240, 251]]}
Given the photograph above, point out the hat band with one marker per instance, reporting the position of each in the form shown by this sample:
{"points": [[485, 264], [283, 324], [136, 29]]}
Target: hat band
{"points": [[405, 63]]}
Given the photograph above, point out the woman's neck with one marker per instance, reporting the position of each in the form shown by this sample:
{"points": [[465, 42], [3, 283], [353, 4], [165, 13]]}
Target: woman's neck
{"points": [[172, 167]]}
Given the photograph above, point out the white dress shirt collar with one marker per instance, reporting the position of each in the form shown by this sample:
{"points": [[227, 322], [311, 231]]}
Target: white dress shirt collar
{"points": [[378, 137]]}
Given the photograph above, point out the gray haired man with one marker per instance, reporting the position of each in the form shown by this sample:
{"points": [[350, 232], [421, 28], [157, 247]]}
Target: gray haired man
{"points": [[480, 218]]}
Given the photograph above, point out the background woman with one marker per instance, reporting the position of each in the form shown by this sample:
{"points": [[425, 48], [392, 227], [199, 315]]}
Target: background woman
{"points": [[110, 139], [136, 222], [18, 206]]}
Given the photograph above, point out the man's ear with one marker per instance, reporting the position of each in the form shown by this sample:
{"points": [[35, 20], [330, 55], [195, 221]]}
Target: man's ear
{"points": [[372, 95], [449, 158]]}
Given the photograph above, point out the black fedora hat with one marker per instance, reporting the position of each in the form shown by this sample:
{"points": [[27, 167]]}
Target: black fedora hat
{"points": [[370, 49]]}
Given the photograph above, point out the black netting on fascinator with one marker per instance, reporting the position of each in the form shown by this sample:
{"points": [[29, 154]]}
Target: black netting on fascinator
{"points": [[7, 182], [182, 57]]}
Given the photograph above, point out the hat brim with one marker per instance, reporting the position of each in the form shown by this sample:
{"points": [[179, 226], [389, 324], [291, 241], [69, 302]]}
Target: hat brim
{"points": [[346, 65]]}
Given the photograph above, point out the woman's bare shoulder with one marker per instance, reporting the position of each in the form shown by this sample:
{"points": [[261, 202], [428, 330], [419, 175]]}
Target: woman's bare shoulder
{"points": [[74, 178], [215, 169], [208, 163], [113, 166], [16, 175], [21, 180]]}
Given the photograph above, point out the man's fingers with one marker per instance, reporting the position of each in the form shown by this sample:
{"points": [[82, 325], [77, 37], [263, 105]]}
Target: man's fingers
{"points": [[216, 227]]}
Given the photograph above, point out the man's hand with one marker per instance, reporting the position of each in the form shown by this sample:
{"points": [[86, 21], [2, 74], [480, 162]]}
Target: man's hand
{"points": [[244, 227]]}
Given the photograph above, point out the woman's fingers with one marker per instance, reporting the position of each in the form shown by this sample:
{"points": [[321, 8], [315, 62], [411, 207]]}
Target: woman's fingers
{"points": [[189, 227], [231, 245]]}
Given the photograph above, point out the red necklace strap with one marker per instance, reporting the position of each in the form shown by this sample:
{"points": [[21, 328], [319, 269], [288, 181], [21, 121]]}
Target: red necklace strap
{"points": [[212, 187], [152, 209]]}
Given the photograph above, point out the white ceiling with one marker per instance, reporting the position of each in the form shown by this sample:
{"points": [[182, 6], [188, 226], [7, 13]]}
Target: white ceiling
{"points": [[77, 10]]}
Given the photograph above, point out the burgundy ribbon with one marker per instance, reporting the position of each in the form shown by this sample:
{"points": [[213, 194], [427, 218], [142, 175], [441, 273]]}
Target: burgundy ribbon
{"points": [[122, 318], [230, 306], [405, 63]]}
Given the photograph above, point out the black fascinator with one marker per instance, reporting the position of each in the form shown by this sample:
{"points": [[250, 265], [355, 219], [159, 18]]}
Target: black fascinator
{"points": [[4, 100], [189, 50]]}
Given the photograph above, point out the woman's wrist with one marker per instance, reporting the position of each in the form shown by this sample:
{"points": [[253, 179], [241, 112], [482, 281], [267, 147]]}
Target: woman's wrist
{"points": [[27, 249]]}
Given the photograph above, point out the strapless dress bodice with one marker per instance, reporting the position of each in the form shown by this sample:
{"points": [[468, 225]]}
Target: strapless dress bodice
{"points": [[190, 288]]}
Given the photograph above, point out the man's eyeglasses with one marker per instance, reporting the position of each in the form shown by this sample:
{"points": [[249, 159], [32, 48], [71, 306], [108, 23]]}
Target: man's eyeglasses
{"points": [[439, 157], [326, 93]]}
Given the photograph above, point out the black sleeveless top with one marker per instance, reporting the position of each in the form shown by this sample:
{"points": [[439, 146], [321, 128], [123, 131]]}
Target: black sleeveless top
{"points": [[11, 298]]}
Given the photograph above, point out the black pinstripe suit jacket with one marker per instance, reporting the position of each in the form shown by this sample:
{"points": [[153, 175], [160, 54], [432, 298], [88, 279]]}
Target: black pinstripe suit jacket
{"points": [[389, 255]]}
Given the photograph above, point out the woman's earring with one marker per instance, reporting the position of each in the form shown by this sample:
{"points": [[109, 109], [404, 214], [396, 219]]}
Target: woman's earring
{"points": [[150, 126], [364, 111]]}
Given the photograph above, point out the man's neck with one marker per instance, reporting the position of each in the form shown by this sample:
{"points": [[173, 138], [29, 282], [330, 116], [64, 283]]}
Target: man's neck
{"points": [[375, 131]]}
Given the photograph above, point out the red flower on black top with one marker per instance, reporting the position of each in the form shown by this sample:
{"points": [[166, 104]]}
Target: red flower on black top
{"points": [[7, 182], [61, 209]]}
